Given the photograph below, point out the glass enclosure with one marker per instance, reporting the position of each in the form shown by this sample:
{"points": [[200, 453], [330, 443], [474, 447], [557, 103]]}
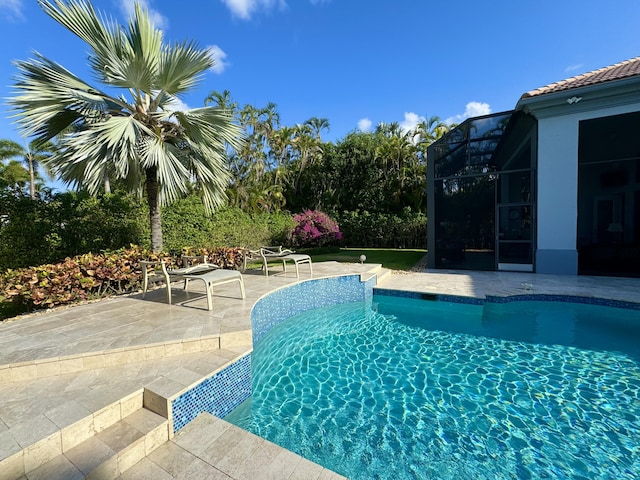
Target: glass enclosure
{"points": [[608, 239], [481, 207]]}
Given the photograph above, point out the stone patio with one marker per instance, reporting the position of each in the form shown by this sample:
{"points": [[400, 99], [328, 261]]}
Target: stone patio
{"points": [[73, 381]]}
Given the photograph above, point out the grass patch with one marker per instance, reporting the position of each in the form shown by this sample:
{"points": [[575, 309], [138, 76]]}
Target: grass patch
{"points": [[393, 258]]}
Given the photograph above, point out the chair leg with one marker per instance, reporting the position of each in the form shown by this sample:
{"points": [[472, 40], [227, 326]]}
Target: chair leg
{"points": [[242, 288], [209, 301], [169, 292], [145, 283]]}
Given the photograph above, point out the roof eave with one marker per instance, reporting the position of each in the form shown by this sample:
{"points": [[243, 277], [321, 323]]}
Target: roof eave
{"points": [[621, 87]]}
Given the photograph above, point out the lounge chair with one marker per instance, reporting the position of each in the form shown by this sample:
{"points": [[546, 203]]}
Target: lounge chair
{"points": [[211, 275], [271, 254]]}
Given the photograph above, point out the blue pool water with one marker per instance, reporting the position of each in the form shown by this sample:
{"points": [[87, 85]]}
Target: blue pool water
{"points": [[403, 388]]}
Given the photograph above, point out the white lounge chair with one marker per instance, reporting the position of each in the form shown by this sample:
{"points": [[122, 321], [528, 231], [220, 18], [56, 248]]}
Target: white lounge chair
{"points": [[271, 254], [211, 275]]}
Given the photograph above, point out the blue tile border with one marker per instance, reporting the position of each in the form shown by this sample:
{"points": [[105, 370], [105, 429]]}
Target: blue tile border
{"points": [[534, 297], [288, 301], [543, 297], [438, 297], [217, 395]]}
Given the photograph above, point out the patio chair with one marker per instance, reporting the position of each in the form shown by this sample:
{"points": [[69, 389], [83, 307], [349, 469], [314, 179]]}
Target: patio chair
{"points": [[211, 275], [249, 255], [279, 254]]}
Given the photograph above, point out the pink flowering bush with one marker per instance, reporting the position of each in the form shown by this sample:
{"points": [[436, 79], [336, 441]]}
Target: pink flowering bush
{"points": [[315, 229]]}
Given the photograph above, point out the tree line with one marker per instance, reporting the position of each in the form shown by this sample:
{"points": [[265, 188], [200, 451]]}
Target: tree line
{"points": [[226, 154]]}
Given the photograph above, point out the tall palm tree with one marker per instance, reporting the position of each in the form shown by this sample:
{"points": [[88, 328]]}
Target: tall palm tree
{"points": [[317, 125], [32, 154], [136, 137]]}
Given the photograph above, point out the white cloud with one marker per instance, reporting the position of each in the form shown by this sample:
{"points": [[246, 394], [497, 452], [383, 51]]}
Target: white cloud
{"points": [[245, 8], [411, 120], [218, 56], [364, 125], [473, 109], [159, 20], [177, 105], [12, 9], [574, 67]]}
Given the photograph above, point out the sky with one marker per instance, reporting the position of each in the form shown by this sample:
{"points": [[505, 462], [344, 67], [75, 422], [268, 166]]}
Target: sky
{"points": [[356, 63]]}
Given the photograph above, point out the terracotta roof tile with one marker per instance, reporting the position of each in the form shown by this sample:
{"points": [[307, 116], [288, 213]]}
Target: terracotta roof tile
{"points": [[628, 68]]}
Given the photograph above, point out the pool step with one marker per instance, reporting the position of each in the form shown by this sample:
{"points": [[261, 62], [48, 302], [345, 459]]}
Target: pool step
{"points": [[108, 453], [382, 274]]}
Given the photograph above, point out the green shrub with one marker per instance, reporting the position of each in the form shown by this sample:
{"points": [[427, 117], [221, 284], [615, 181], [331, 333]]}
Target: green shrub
{"points": [[185, 223], [51, 228], [380, 230]]}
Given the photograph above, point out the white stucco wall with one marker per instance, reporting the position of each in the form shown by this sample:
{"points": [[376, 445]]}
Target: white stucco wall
{"points": [[557, 182]]}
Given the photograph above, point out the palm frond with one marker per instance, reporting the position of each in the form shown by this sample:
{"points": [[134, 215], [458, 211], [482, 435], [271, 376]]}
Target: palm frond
{"points": [[50, 98], [181, 68], [103, 35]]}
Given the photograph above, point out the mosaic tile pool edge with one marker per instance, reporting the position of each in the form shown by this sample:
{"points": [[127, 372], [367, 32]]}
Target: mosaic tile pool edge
{"points": [[534, 297], [224, 391], [272, 309], [217, 395]]}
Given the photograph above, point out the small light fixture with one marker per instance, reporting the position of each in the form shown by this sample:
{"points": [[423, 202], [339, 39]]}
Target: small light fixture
{"points": [[363, 258]]}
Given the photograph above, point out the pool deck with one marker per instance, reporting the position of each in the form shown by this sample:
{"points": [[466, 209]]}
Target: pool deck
{"points": [[73, 381]]}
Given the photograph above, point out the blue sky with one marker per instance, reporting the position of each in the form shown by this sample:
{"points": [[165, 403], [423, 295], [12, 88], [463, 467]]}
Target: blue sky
{"points": [[358, 62]]}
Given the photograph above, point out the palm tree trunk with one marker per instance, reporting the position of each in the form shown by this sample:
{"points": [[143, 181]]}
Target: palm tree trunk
{"points": [[32, 181], [107, 183], [154, 209]]}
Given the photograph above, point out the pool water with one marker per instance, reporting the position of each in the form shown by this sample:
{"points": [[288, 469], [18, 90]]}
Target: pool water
{"points": [[403, 388]]}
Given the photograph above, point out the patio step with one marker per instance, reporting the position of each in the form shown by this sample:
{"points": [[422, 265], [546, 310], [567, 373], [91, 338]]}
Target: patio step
{"points": [[18, 460], [82, 362], [382, 274], [108, 453]]}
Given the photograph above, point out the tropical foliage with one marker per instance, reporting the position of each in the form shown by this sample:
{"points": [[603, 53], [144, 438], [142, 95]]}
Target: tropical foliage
{"points": [[89, 276], [127, 133], [315, 229], [137, 137]]}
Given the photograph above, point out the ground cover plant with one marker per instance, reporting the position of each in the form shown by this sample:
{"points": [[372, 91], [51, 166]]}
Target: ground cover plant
{"points": [[90, 277]]}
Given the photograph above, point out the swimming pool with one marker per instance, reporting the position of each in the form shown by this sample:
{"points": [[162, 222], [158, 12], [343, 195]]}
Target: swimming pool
{"points": [[405, 388]]}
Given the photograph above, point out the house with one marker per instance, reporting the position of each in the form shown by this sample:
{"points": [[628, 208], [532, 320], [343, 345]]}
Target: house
{"points": [[552, 186]]}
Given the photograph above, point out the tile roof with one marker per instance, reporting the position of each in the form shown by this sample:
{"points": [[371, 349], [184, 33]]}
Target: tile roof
{"points": [[626, 69]]}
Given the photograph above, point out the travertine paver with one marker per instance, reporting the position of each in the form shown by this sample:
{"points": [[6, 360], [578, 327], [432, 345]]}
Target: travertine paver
{"points": [[209, 447], [131, 343]]}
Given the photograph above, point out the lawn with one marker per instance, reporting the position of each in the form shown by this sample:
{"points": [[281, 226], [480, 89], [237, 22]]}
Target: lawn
{"points": [[393, 258]]}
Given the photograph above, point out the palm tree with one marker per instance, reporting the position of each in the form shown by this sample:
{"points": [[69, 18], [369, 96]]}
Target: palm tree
{"points": [[33, 155], [13, 177], [137, 136], [317, 125], [221, 100]]}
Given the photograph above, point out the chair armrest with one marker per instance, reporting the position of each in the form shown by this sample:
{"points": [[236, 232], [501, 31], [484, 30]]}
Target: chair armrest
{"points": [[193, 260], [202, 267], [270, 252]]}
